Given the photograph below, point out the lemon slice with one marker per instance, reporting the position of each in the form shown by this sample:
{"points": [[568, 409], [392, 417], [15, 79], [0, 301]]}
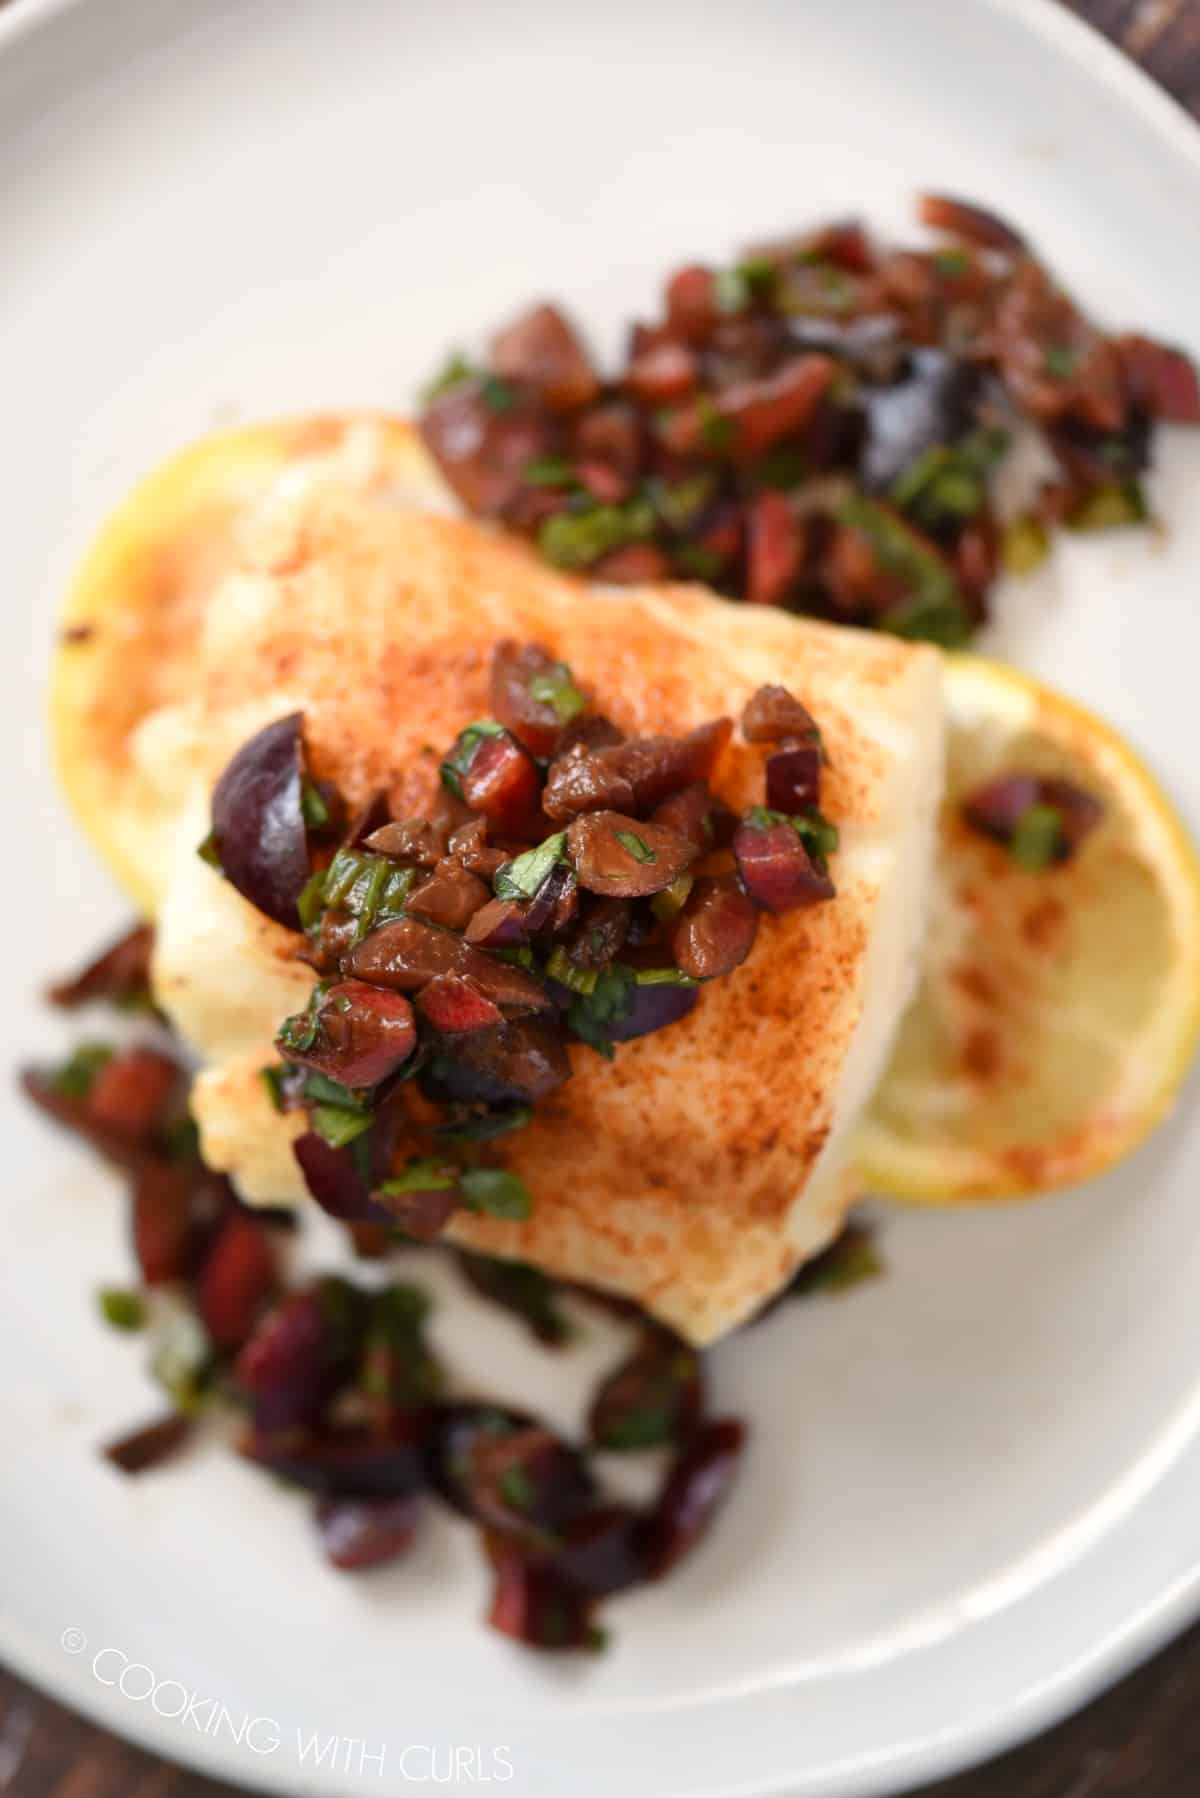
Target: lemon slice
{"points": [[1059, 1007], [138, 602]]}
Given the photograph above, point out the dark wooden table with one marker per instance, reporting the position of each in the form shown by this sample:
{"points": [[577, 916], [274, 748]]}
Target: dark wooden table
{"points": [[1141, 1740]]}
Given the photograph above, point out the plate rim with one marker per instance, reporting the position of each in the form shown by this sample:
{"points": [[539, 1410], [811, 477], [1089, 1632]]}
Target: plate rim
{"points": [[1061, 33]]}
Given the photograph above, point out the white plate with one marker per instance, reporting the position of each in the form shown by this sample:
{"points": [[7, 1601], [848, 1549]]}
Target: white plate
{"points": [[974, 1490]]}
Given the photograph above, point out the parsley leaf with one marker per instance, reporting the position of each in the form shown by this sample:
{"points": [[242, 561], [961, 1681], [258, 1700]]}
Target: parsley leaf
{"points": [[496, 1191], [522, 877]]}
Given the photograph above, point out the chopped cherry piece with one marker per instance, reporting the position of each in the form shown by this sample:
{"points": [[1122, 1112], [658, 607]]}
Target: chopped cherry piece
{"points": [[776, 868], [692, 302], [532, 694], [525, 1482], [774, 548], [413, 841], [151, 1446], [131, 1092], [423, 1214], [455, 1006], [235, 1281], [694, 813], [656, 1395], [500, 924], [960, 218], [794, 777], [602, 1550], [347, 1461], [406, 954], [534, 1604], [503, 785], [363, 1034], [484, 452], [1161, 381], [357, 1533], [333, 1178], [623, 858], [121, 973], [772, 713], [162, 1221], [450, 896], [541, 351], [299, 1357], [662, 374], [517, 1063], [695, 1488], [715, 931], [612, 433], [634, 565]]}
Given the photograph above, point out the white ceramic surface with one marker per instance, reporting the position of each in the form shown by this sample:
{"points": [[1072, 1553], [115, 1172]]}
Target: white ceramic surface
{"points": [[974, 1489]]}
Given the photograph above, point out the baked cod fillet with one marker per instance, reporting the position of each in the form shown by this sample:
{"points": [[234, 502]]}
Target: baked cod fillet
{"points": [[696, 1171]]}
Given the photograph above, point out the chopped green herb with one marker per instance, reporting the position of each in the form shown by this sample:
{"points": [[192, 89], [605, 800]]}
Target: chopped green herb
{"points": [[122, 1307], [425, 1174], [368, 887], [1037, 838], [590, 1015], [935, 613], [560, 967], [496, 1191], [456, 370], [313, 808], [662, 977], [181, 1138], [182, 1356], [498, 395], [731, 290], [556, 688], [951, 263], [273, 1078], [716, 429], [485, 1126], [758, 274], [400, 1307], [577, 539], [549, 471], [518, 958], [516, 1488], [1026, 544], [948, 483], [784, 467], [338, 1125], [636, 846], [298, 1033], [523, 876], [680, 503], [208, 852], [1060, 363], [928, 619], [1109, 508], [458, 762], [670, 902], [695, 559], [74, 1079], [850, 1258], [819, 836], [311, 898], [319, 1089]]}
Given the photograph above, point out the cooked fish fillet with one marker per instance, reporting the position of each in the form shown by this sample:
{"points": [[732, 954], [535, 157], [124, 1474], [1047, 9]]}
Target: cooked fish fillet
{"points": [[699, 1168]]}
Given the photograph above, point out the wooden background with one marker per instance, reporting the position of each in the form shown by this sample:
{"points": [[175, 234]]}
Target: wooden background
{"points": [[1142, 1740]]}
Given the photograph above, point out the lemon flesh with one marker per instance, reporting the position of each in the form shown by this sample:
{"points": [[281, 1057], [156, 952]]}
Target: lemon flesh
{"points": [[1059, 1008]]}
